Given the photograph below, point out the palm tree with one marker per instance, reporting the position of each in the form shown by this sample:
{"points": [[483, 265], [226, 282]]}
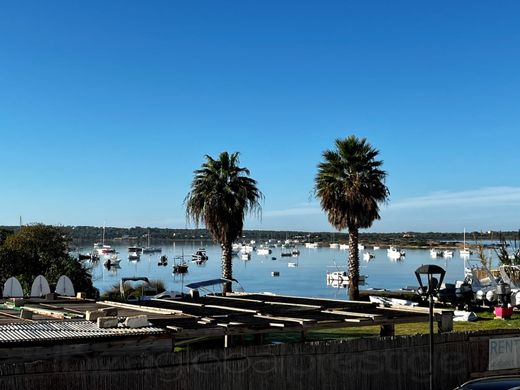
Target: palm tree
{"points": [[222, 193], [350, 187]]}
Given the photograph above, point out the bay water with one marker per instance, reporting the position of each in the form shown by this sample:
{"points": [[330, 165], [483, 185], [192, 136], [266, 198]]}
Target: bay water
{"points": [[305, 277]]}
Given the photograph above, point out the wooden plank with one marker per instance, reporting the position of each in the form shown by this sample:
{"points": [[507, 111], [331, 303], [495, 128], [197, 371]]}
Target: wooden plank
{"points": [[350, 313], [300, 321], [147, 309], [45, 312], [228, 308]]}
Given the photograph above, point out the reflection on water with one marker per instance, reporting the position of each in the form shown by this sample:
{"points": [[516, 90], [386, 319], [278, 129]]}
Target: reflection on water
{"points": [[304, 275]]}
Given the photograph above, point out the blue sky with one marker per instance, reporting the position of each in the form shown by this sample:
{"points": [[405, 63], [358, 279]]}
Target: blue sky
{"points": [[107, 107]]}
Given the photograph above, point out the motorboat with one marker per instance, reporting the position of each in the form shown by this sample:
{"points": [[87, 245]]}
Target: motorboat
{"points": [[199, 256], [295, 252], [465, 252], [134, 256], [343, 247], [163, 261], [246, 248], [481, 281], [112, 261], [245, 256], [311, 245], [292, 264], [343, 277], [395, 253], [135, 249], [263, 251], [434, 253], [447, 253], [102, 249], [334, 245], [367, 256]]}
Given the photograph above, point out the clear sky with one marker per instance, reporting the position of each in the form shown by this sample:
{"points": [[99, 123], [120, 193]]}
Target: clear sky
{"points": [[107, 107]]}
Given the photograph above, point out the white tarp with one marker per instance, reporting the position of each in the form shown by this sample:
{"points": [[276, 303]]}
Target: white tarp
{"points": [[504, 353]]}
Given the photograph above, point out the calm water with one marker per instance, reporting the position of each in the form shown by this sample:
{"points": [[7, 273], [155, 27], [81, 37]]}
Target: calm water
{"points": [[307, 279]]}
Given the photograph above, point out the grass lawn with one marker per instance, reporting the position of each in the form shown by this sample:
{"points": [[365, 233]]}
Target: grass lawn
{"points": [[486, 321]]}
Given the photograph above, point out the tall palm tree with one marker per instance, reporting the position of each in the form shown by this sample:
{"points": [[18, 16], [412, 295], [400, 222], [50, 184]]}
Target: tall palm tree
{"points": [[222, 193], [350, 186]]}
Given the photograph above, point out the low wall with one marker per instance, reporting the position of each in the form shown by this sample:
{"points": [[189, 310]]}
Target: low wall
{"points": [[399, 363]]}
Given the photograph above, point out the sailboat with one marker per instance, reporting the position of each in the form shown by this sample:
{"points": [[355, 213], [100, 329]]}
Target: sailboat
{"points": [[102, 249], [150, 249], [465, 252], [180, 267]]}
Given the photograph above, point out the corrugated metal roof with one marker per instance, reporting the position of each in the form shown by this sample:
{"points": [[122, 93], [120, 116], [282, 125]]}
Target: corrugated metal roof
{"points": [[66, 330]]}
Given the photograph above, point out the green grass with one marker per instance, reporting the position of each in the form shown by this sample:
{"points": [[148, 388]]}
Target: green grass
{"points": [[486, 321]]}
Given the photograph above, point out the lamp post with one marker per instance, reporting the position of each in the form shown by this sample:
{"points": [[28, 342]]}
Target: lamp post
{"points": [[430, 289]]}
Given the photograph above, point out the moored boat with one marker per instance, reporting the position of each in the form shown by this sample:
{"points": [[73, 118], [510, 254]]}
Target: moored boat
{"points": [[199, 256]]}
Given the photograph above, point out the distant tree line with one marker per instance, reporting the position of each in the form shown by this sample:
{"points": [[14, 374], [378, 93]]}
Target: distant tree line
{"points": [[139, 235]]}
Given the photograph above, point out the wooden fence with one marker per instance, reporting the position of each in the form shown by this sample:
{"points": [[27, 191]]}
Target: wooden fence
{"points": [[399, 363]]}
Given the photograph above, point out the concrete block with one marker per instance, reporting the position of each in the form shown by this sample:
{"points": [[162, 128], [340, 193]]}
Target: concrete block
{"points": [[136, 321], [81, 295], [94, 315], [107, 322]]}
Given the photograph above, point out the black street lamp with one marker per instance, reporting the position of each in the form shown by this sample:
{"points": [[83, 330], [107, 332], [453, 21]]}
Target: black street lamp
{"points": [[434, 276]]}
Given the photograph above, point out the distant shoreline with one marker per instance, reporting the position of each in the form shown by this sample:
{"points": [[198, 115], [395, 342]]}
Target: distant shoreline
{"points": [[409, 240]]}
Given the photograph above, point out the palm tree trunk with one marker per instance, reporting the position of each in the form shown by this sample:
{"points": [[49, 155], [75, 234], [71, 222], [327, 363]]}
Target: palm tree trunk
{"points": [[227, 266], [353, 263]]}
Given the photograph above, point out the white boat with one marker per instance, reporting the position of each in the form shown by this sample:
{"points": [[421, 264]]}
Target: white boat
{"points": [[262, 251], [246, 248], [334, 245], [395, 253], [367, 256], [292, 264], [311, 245], [434, 253], [447, 253], [135, 249], [100, 248], [199, 256], [361, 247], [465, 252], [343, 277], [134, 256], [245, 256], [376, 248], [343, 247], [114, 259]]}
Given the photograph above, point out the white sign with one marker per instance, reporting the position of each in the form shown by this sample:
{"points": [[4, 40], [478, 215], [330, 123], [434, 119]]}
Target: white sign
{"points": [[504, 353]]}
